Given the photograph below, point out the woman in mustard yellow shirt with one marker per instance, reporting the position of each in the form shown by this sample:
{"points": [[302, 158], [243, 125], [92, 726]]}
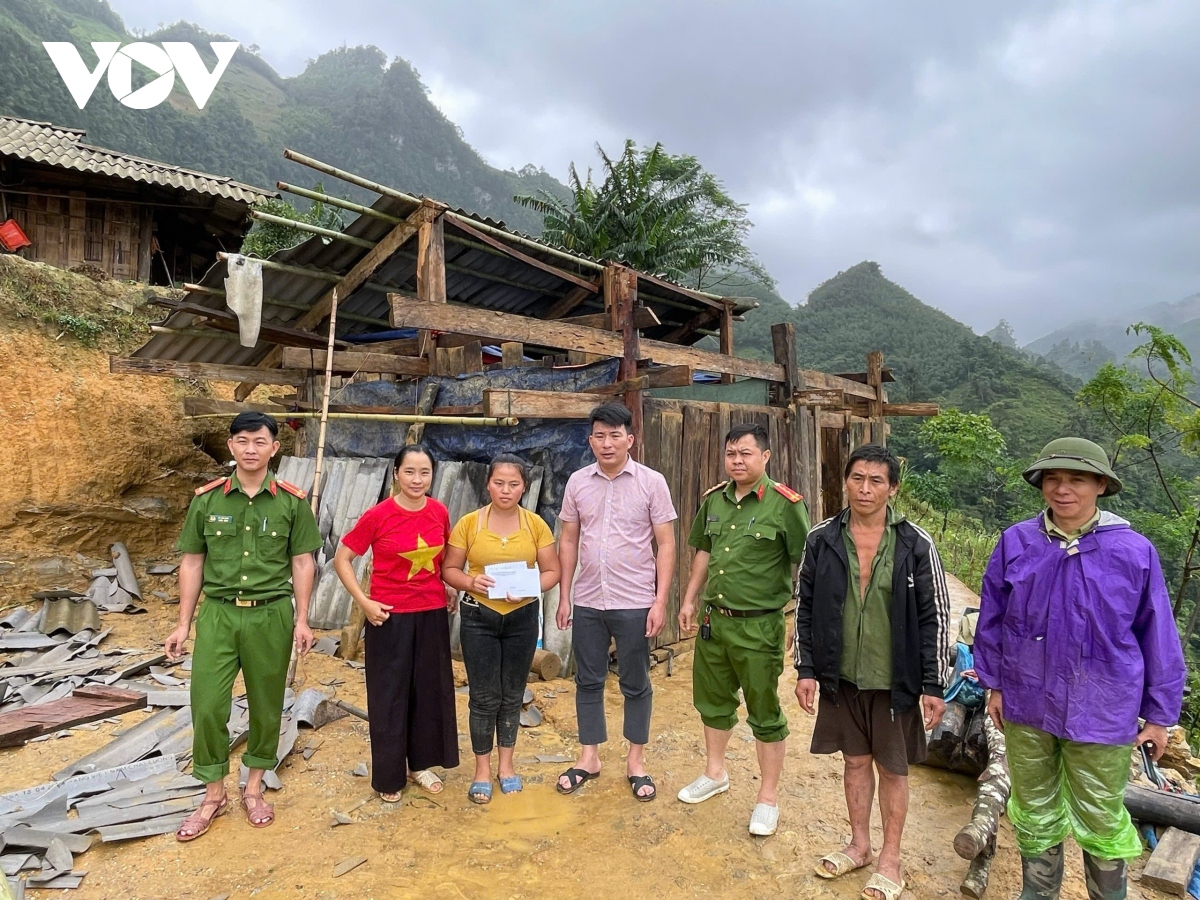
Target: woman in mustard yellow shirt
{"points": [[498, 636]]}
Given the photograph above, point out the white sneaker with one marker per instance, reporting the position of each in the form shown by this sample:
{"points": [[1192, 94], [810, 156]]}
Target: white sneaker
{"points": [[764, 819], [703, 788]]}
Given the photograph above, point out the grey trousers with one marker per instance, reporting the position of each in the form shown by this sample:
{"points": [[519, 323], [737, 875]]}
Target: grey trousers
{"points": [[590, 635]]}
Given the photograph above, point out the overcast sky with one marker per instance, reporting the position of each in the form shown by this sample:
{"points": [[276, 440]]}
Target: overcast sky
{"points": [[1033, 160]]}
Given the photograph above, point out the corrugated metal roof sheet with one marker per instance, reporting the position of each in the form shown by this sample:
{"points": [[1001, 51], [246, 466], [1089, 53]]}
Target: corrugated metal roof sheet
{"points": [[54, 145]]}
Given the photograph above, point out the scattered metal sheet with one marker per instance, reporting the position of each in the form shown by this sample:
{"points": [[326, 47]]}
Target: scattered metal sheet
{"points": [[56, 880], [17, 888], [148, 828], [69, 615], [57, 594], [12, 863], [99, 817], [140, 741], [16, 619], [58, 857], [340, 818], [24, 837], [554, 758], [327, 645], [104, 573], [124, 566], [167, 680], [25, 641], [168, 568], [531, 717], [347, 865], [316, 709], [360, 770], [270, 779]]}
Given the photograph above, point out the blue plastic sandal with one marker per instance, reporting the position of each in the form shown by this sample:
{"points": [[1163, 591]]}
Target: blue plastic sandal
{"points": [[511, 784], [480, 792]]}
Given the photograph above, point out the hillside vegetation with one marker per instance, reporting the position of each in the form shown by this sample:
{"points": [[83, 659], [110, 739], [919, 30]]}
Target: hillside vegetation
{"points": [[351, 107]]}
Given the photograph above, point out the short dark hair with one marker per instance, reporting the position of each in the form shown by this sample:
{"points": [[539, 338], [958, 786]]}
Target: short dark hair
{"points": [[614, 414], [737, 432], [408, 449], [509, 459], [253, 421], [878, 454]]}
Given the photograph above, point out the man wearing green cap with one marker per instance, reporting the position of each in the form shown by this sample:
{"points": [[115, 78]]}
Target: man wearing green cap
{"points": [[1076, 642]]}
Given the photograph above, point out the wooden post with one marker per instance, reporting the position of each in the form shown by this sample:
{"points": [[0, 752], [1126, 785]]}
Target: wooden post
{"points": [[620, 293], [875, 381], [727, 336], [783, 346], [512, 353], [431, 272]]}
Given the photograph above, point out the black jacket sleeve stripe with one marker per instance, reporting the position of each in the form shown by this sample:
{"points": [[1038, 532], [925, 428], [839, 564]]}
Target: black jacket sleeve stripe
{"points": [[802, 633], [941, 600]]}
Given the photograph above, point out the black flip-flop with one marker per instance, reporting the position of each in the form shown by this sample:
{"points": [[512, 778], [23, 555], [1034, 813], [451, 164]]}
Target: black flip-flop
{"points": [[637, 782], [577, 777]]}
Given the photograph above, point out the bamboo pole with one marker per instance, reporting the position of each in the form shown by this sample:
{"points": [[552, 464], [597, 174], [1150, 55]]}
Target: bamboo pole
{"points": [[348, 176], [321, 275], [489, 421], [329, 199], [285, 304], [311, 229]]}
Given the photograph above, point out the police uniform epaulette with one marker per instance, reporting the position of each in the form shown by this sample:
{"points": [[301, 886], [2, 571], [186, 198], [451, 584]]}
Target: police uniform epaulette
{"points": [[714, 489], [292, 489], [212, 485], [794, 496]]}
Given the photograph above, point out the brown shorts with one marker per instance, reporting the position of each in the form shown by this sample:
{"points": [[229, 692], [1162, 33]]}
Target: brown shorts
{"points": [[861, 724]]}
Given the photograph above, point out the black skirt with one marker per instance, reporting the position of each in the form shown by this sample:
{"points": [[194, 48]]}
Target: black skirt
{"points": [[410, 697]]}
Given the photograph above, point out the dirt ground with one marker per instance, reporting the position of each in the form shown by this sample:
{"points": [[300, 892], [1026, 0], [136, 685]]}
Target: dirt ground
{"points": [[528, 845]]}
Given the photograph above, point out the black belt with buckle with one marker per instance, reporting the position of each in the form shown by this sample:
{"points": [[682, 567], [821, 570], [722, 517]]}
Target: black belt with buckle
{"points": [[238, 601], [741, 613]]}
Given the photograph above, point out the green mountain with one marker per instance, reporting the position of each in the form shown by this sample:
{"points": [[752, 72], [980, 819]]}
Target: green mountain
{"points": [[932, 356], [350, 107], [1082, 347]]}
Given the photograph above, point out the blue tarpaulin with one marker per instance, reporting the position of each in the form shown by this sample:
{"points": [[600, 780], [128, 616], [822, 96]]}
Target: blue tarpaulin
{"points": [[558, 445]]}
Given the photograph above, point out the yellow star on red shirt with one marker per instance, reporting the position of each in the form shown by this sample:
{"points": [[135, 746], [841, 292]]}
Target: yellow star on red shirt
{"points": [[422, 558]]}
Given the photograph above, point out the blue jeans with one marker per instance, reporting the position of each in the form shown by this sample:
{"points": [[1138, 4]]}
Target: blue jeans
{"points": [[497, 651]]}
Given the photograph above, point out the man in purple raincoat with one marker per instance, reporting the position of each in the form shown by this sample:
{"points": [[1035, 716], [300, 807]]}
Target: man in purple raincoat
{"points": [[1076, 641]]}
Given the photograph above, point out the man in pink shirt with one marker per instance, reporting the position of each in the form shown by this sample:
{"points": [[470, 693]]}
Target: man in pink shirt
{"points": [[612, 514]]}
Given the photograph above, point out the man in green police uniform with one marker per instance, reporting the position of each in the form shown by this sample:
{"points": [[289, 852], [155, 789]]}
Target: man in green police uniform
{"points": [[248, 542], [748, 534]]}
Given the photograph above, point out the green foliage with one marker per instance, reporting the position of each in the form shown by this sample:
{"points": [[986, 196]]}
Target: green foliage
{"points": [[85, 329], [964, 545], [351, 106], [656, 212], [267, 237], [964, 440]]}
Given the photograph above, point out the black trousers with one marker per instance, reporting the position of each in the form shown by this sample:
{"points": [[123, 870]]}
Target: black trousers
{"points": [[497, 651], [410, 697]]}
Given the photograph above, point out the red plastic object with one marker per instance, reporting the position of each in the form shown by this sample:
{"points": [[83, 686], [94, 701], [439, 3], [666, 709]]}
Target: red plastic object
{"points": [[12, 238]]}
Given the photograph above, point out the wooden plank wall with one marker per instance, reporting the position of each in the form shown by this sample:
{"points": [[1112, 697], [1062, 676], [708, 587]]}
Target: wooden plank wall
{"points": [[77, 231], [686, 442]]}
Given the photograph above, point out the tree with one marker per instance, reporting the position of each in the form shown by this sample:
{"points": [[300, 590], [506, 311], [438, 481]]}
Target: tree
{"points": [[971, 464], [1003, 335], [656, 212], [266, 238]]}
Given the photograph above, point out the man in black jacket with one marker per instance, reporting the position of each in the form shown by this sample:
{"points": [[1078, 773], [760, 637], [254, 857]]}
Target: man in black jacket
{"points": [[872, 630]]}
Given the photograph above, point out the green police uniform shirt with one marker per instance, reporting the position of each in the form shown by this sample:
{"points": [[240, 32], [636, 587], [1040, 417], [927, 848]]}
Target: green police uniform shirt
{"points": [[248, 542], [753, 542]]}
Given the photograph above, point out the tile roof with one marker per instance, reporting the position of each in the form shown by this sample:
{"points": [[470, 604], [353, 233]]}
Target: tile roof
{"points": [[55, 145]]}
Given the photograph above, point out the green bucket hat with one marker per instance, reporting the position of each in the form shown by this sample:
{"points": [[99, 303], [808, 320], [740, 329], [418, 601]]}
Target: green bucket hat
{"points": [[1076, 455]]}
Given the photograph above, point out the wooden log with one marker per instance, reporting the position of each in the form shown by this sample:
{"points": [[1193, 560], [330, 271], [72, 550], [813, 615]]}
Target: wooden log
{"points": [[540, 404], [688, 329], [910, 409], [641, 383], [815, 379], [992, 799], [546, 664], [350, 362], [512, 354], [568, 302], [203, 371], [783, 347], [620, 291], [827, 398], [473, 357], [498, 326], [975, 883], [202, 406], [669, 376], [1151, 806], [1170, 867]]}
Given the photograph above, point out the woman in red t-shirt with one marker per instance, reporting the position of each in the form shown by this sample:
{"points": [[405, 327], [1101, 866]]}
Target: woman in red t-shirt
{"points": [[410, 686]]}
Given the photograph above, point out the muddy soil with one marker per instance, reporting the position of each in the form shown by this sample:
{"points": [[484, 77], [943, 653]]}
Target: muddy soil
{"points": [[599, 842]]}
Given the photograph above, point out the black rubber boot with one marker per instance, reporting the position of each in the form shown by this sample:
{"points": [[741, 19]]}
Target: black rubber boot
{"points": [[1041, 876], [1106, 878]]}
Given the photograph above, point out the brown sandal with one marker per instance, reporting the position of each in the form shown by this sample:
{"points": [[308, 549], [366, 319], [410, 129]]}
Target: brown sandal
{"points": [[199, 819], [264, 818]]}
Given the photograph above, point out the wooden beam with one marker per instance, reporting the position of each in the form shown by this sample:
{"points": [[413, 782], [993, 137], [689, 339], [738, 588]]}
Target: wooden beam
{"points": [[225, 320], [464, 226], [359, 273], [689, 328], [641, 383], [568, 302], [498, 326], [539, 404], [815, 379], [668, 376], [473, 357], [829, 399], [678, 289], [202, 371], [643, 317], [512, 354], [348, 362], [910, 409], [783, 346], [1170, 867], [620, 290], [203, 406]]}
